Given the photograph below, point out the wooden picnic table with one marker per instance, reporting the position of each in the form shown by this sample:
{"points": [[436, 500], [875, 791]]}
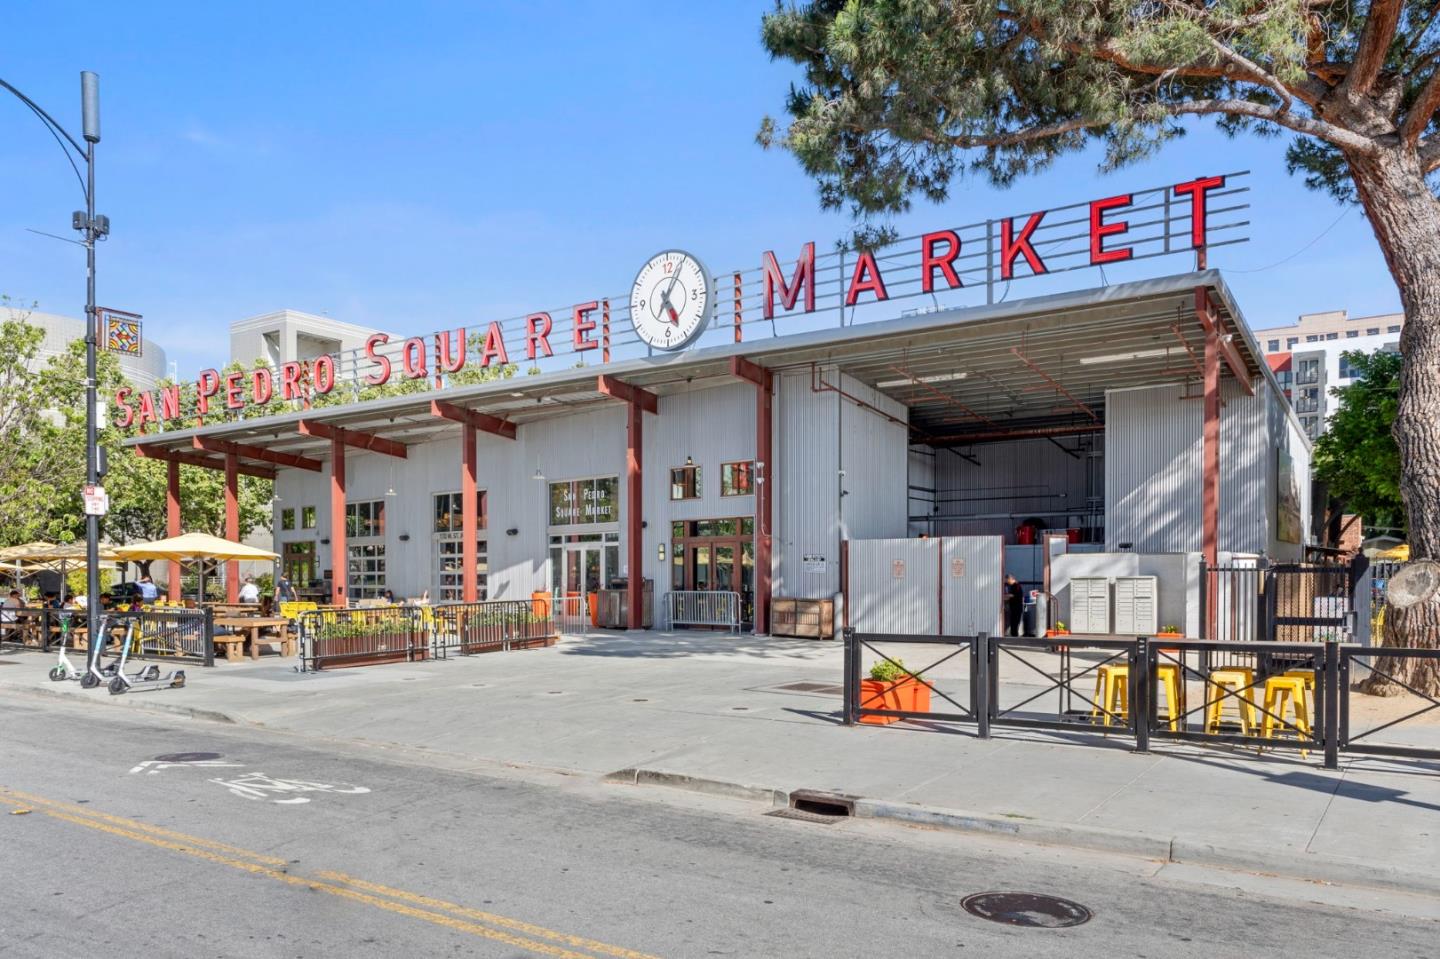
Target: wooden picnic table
{"points": [[250, 627]]}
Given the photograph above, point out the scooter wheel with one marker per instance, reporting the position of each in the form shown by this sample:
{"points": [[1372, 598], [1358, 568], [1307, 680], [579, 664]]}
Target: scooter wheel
{"points": [[57, 674], [117, 686], [178, 681], [151, 673], [89, 681]]}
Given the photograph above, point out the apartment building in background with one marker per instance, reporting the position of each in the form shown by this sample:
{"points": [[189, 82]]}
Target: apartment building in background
{"points": [[1308, 359]]}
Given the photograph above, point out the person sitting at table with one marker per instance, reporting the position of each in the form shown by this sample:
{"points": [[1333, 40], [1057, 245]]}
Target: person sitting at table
{"points": [[389, 597], [106, 601], [52, 601], [249, 593]]}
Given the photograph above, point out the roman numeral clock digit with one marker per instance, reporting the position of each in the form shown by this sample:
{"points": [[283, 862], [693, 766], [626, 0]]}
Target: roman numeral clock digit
{"points": [[670, 302]]}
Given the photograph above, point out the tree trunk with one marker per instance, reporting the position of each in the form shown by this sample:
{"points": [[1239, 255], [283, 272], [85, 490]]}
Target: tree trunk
{"points": [[1412, 619], [1405, 216]]}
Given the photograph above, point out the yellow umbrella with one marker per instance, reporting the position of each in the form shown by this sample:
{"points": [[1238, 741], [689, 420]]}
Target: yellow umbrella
{"points": [[1399, 554], [192, 546]]}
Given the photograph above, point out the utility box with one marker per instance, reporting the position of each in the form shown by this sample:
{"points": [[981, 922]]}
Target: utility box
{"points": [[807, 618], [1089, 604], [1136, 605]]}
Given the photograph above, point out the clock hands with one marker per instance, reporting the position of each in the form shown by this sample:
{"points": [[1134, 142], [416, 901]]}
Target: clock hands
{"points": [[665, 297]]}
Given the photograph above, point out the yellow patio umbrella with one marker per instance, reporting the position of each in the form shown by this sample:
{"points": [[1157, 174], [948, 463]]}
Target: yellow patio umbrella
{"points": [[1399, 554], [193, 546]]}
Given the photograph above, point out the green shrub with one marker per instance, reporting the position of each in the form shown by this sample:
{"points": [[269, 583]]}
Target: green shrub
{"points": [[889, 671]]}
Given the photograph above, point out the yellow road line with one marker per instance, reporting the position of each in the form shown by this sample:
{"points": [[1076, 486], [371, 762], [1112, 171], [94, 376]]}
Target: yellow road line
{"points": [[192, 846], [142, 826], [489, 917]]}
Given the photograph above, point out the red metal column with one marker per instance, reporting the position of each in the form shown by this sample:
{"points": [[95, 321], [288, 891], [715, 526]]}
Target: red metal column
{"points": [[469, 514], [764, 421], [634, 475], [172, 522], [339, 558], [1210, 453], [232, 524]]}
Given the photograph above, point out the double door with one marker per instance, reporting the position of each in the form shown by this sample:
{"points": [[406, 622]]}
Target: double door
{"points": [[717, 563]]}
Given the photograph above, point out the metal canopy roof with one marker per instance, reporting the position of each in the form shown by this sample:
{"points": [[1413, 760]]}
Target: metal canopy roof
{"points": [[966, 375]]}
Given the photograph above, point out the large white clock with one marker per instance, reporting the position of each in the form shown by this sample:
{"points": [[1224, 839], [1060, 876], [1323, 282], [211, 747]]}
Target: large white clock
{"points": [[670, 302]]}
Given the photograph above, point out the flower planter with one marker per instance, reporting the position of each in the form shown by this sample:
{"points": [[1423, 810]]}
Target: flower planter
{"points": [[1169, 651], [908, 694], [1052, 633]]}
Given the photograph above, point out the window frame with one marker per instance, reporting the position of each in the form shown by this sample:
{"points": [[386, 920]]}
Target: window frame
{"points": [[690, 486], [745, 467]]}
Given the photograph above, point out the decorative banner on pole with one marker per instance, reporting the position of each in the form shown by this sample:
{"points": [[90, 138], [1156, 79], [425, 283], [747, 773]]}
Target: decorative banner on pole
{"points": [[120, 331]]}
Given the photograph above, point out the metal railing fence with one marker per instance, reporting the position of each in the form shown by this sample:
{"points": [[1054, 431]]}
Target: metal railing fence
{"points": [[702, 607], [171, 634], [497, 625], [365, 636], [1289, 696]]}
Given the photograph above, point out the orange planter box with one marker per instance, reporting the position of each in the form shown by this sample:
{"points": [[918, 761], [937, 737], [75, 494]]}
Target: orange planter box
{"points": [[908, 694]]}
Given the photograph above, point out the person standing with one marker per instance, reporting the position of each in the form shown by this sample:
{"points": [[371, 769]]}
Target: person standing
{"points": [[284, 590], [1014, 606], [249, 593], [148, 592]]}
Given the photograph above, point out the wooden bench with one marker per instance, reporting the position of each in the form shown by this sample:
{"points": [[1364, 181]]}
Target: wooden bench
{"points": [[232, 645]]}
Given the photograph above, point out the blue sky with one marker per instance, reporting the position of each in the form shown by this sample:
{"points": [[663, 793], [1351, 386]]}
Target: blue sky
{"points": [[425, 165]]}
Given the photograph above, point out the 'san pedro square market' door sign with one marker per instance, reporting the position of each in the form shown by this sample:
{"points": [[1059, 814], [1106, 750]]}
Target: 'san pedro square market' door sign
{"points": [[674, 299]]}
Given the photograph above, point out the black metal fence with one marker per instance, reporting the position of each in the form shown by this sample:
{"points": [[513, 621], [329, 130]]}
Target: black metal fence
{"points": [[362, 637], [186, 635], [1286, 602], [497, 626], [30, 627], [1282, 695]]}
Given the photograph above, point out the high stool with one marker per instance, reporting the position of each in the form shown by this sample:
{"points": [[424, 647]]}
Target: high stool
{"points": [[1238, 682], [1112, 692], [1169, 676], [1281, 691]]}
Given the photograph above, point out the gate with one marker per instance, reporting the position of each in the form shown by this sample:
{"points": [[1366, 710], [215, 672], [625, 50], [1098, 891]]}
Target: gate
{"points": [[1285, 603]]}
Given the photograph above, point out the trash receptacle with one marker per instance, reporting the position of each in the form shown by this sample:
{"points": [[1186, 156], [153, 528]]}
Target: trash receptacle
{"points": [[1036, 614]]}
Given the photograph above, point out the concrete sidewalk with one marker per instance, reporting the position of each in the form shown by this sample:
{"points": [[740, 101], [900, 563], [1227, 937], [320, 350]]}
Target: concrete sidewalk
{"points": [[714, 713]]}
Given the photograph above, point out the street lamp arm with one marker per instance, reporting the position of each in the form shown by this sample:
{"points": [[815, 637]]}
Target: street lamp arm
{"points": [[56, 131]]}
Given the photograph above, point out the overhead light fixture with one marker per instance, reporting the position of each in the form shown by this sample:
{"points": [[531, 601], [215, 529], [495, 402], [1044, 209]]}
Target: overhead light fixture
{"points": [[391, 492], [518, 396], [1127, 357], [689, 461], [911, 381]]}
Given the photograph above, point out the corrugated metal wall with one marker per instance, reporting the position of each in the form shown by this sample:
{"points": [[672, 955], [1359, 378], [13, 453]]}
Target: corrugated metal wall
{"points": [[873, 453], [895, 586], [1153, 470], [1026, 477], [971, 592]]}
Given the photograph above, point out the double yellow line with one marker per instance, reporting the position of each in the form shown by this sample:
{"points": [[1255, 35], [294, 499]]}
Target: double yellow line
{"points": [[453, 916]]}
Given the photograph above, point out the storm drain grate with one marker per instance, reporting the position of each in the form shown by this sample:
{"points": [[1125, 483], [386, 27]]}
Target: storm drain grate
{"points": [[829, 689], [1026, 909], [801, 815]]}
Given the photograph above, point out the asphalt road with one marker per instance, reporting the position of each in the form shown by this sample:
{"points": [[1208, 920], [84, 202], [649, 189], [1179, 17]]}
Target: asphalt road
{"points": [[131, 834]]}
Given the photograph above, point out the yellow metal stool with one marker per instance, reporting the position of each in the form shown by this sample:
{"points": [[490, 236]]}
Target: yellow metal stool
{"points": [[1281, 691], [1169, 676], [1112, 692], [1236, 681]]}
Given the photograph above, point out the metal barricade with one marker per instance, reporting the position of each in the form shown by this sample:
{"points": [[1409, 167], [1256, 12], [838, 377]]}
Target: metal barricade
{"points": [[362, 637], [701, 607], [29, 627], [180, 634], [495, 626]]}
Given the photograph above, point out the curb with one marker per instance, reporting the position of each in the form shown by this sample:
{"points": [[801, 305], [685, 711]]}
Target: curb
{"points": [[190, 712], [1305, 867], [698, 784]]}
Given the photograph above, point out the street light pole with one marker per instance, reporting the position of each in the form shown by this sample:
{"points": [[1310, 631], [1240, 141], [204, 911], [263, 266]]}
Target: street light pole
{"points": [[92, 228], [90, 130]]}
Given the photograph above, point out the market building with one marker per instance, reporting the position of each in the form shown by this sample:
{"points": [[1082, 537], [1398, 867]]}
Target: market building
{"points": [[738, 432]]}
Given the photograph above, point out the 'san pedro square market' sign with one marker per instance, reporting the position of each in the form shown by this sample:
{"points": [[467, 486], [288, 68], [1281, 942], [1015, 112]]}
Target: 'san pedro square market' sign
{"points": [[674, 297]]}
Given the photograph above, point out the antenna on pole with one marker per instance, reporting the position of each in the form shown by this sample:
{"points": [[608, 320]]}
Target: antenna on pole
{"points": [[90, 106]]}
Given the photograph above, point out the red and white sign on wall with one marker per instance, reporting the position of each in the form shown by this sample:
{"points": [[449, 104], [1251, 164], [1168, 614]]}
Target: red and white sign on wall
{"points": [[1186, 218]]}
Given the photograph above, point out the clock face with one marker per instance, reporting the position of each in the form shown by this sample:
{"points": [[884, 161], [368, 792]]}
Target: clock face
{"points": [[670, 302]]}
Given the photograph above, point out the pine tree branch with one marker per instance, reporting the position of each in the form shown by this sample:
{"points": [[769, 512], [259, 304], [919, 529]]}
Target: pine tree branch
{"points": [[1430, 155], [1380, 25], [1422, 111], [1311, 126]]}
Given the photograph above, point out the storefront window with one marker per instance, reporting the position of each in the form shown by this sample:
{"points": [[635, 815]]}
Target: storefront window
{"points": [[287, 519], [450, 566], [737, 479], [585, 502], [448, 511], [366, 576], [365, 519], [685, 482], [307, 517]]}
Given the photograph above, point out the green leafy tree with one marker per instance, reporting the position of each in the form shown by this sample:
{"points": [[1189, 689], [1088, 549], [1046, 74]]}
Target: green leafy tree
{"points": [[1357, 457], [902, 97]]}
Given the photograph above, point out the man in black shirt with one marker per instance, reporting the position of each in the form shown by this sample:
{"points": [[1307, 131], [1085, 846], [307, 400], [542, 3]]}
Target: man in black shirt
{"points": [[1014, 606]]}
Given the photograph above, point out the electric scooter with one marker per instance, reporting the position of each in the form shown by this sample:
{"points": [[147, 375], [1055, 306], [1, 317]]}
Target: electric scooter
{"points": [[63, 668], [147, 678]]}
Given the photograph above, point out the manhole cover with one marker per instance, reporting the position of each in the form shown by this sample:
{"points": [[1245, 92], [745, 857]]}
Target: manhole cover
{"points": [[1026, 909], [809, 687], [186, 757]]}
